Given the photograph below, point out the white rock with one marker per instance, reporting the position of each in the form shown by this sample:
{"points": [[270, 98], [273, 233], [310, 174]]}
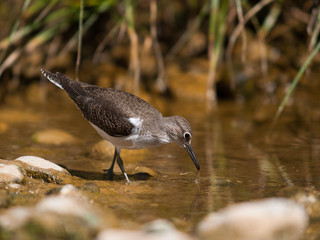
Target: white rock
{"points": [[69, 190], [156, 230], [10, 173], [40, 168], [119, 234], [275, 218], [14, 185], [15, 217], [53, 208], [62, 205], [38, 162]]}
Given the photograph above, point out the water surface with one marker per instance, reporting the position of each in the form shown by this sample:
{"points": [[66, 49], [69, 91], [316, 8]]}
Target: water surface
{"points": [[237, 163]]}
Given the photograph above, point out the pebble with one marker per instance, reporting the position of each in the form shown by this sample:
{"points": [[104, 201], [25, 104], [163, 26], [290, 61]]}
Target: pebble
{"points": [[265, 219], [37, 167], [14, 185], [10, 173], [53, 137]]}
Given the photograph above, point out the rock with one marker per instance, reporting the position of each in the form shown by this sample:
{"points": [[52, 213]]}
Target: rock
{"points": [[35, 93], [3, 127], [14, 218], [263, 114], [187, 85], [16, 116], [156, 230], [90, 187], [65, 215], [310, 200], [4, 201], [142, 173], [163, 229], [53, 136], [14, 185], [120, 234], [103, 149], [63, 205], [40, 168], [67, 193], [275, 218], [10, 173], [71, 192]]}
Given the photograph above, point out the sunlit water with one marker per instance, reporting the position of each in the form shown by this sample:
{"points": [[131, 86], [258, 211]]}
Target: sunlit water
{"points": [[237, 163]]}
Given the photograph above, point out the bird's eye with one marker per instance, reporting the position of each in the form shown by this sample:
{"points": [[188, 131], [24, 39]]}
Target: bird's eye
{"points": [[187, 135]]}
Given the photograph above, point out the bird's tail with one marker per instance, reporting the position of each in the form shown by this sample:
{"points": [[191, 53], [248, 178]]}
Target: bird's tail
{"points": [[52, 78], [72, 87]]}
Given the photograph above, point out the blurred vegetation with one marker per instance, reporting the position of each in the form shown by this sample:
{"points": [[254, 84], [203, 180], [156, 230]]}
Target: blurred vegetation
{"points": [[246, 47]]}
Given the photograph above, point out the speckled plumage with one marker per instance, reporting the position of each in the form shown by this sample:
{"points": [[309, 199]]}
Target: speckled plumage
{"points": [[124, 119]]}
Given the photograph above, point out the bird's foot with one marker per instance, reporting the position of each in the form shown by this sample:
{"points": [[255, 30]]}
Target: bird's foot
{"points": [[108, 174], [127, 179]]}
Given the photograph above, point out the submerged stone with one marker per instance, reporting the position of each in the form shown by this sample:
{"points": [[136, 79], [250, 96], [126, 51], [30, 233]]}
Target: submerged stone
{"points": [[275, 218], [103, 149], [3, 127], [53, 136], [10, 173], [40, 168], [91, 187], [17, 116]]}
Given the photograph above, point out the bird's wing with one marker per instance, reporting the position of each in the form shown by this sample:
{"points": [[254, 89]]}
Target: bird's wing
{"points": [[104, 115], [97, 106], [109, 109]]}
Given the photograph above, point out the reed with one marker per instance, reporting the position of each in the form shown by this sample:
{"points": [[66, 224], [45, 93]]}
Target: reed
{"points": [[218, 13], [224, 22]]}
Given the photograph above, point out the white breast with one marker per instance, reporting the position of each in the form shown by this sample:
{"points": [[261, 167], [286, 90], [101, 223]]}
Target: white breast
{"points": [[136, 139], [119, 142]]}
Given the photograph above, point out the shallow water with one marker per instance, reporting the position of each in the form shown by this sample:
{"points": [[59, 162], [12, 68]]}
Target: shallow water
{"points": [[237, 162]]}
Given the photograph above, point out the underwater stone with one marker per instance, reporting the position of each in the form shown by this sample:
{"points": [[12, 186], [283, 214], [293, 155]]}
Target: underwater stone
{"points": [[53, 136], [103, 149], [274, 218], [90, 187], [3, 127]]}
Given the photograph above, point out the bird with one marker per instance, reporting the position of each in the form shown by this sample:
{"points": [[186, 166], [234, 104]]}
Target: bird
{"points": [[125, 120]]}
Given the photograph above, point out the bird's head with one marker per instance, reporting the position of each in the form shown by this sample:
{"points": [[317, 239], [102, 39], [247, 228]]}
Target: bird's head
{"points": [[180, 132]]}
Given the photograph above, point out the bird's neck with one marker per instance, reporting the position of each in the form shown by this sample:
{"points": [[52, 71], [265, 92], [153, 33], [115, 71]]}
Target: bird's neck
{"points": [[169, 126]]}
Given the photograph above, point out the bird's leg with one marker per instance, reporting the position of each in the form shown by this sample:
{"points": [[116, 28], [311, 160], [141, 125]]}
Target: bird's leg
{"points": [[109, 172], [120, 164]]}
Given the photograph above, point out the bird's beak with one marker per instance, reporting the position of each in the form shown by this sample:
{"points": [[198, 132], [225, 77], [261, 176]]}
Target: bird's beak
{"points": [[192, 155]]}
